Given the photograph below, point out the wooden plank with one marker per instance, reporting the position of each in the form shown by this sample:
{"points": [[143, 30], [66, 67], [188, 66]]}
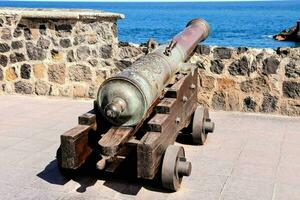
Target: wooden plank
{"points": [[88, 118], [74, 147], [163, 128], [112, 141], [165, 105]]}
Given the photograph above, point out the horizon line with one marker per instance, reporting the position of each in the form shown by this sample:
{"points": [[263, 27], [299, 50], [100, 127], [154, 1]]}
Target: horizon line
{"points": [[148, 1]]}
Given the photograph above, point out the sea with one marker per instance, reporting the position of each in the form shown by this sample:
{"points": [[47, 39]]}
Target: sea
{"points": [[233, 24]]}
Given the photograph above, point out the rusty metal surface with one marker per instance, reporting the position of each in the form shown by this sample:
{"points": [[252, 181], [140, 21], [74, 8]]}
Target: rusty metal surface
{"points": [[139, 85]]}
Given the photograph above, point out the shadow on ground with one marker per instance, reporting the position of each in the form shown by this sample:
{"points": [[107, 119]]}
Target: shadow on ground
{"points": [[123, 180]]}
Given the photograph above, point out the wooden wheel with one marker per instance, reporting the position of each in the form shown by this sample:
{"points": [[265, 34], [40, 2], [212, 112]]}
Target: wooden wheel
{"points": [[202, 125], [174, 167]]}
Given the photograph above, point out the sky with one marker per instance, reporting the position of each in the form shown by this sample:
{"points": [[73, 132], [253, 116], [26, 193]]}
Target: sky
{"points": [[140, 0]]}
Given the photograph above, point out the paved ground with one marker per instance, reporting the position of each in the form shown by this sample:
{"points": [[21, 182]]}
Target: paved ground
{"points": [[249, 156]]}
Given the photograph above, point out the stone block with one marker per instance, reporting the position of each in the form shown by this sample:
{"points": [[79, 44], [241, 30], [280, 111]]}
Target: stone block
{"points": [[83, 52], [4, 48], [270, 65], [217, 66], [16, 44], [70, 56], [43, 43], [292, 69], [10, 74], [35, 53], [3, 60], [291, 89], [80, 73], [16, 57], [25, 71], [65, 43], [57, 55], [39, 71], [242, 67], [249, 104], [222, 53], [218, 101], [79, 91], [269, 103], [203, 49], [226, 84], [57, 73], [42, 88], [23, 87], [63, 30], [6, 34]]}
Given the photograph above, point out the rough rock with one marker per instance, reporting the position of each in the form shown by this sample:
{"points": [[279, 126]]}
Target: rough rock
{"points": [[10, 74], [106, 51], [23, 87], [16, 44], [27, 33], [291, 89], [222, 53], [83, 52], [241, 50], [269, 103], [249, 105], [270, 65], [43, 29], [292, 69], [254, 85], [129, 52], [65, 43], [35, 53], [63, 30], [42, 88], [3, 60], [218, 101], [39, 71], [6, 34], [56, 73], [4, 48], [25, 71], [203, 49], [241, 67], [16, 57], [43, 43], [79, 91], [217, 66], [70, 56], [80, 73], [78, 40], [56, 55]]}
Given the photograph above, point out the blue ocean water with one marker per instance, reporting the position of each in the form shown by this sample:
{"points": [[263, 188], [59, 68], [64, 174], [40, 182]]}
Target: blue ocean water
{"points": [[232, 23]]}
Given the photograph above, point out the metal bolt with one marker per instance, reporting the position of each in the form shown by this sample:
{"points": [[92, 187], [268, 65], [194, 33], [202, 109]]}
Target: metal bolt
{"points": [[193, 86], [184, 167], [209, 126], [184, 99], [177, 120]]}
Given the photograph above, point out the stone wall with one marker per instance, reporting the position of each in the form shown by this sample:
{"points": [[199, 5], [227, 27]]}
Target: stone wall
{"points": [[249, 79], [70, 53], [56, 52]]}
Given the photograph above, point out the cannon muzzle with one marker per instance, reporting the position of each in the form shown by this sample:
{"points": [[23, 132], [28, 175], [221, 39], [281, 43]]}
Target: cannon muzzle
{"points": [[124, 99]]}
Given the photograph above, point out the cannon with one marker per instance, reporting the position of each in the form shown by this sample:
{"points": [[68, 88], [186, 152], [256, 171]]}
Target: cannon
{"points": [[140, 112]]}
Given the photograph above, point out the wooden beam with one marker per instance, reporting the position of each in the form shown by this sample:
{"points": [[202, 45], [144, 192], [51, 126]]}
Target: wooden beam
{"points": [[74, 147]]}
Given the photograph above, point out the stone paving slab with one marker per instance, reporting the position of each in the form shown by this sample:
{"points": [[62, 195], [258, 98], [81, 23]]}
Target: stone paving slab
{"points": [[249, 156]]}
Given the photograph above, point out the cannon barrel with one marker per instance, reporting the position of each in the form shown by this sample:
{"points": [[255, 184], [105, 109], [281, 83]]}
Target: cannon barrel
{"points": [[125, 98]]}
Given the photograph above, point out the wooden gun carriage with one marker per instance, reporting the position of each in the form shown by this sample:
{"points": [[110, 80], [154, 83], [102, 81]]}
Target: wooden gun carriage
{"points": [[152, 140], [141, 111]]}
